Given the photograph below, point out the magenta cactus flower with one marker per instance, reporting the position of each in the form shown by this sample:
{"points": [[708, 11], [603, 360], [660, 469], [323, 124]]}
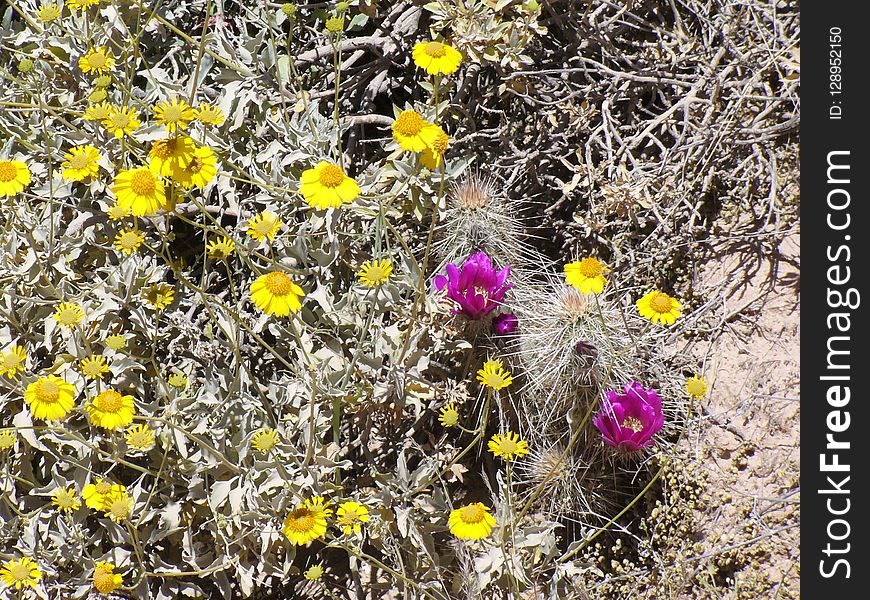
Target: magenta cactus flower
{"points": [[505, 323], [476, 288], [629, 421]]}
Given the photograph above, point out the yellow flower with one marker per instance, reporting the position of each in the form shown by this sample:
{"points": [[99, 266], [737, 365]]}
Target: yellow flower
{"points": [[350, 516], [413, 132], [307, 522], [98, 95], [128, 240], [265, 440], [50, 398], [140, 437], [374, 273], [103, 81], [508, 446], [116, 342], [209, 114], [434, 154], [220, 249], [117, 504], [99, 112], [81, 162], [586, 275], [97, 60], [116, 212], [199, 172], [94, 367], [696, 386], [264, 226], [493, 375], [81, 4], [68, 314], [174, 114], [178, 380], [65, 499], [276, 294], [95, 493], [314, 572], [12, 361], [334, 24], [105, 579], [7, 439], [170, 153], [48, 12], [122, 121], [449, 415], [159, 295], [471, 522], [327, 186], [14, 176], [436, 57], [658, 307], [111, 410], [140, 191], [20, 573]]}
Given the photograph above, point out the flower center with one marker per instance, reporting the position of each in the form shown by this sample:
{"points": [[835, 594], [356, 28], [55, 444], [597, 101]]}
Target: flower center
{"points": [[279, 284], [632, 423], [493, 380], [376, 273], [164, 148], [142, 182], [109, 401], [350, 516], [129, 240], [139, 439], [263, 227], [331, 176], [439, 146], [10, 361], [8, 172], [104, 487], [97, 60], [435, 49], [409, 123], [472, 513], [196, 165], [47, 391], [508, 446], [80, 161], [590, 267], [660, 303], [65, 499], [19, 571], [120, 508], [301, 520], [68, 316], [104, 579], [120, 120], [172, 113]]}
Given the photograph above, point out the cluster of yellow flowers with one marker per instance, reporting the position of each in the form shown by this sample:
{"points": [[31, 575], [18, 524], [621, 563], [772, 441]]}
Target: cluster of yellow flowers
{"points": [[308, 521], [23, 573]]}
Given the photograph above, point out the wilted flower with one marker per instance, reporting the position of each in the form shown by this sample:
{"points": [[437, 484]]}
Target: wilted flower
{"points": [[505, 323], [476, 287], [629, 421]]}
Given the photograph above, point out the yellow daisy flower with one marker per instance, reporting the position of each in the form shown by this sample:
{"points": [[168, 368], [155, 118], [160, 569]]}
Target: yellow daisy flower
{"points": [[81, 4], [14, 176], [313, 573], [373, 273], [436, 57], [178, 380], [128, 241], [97, 60], [174, 114], [471, 522], [68, 314], [122, 121], [94, 367], [220, 249], [50, 398], [307, 522], [508, 446], [413, 132], [117, 505], [658, 307], [265, 440], [140, 191], [327, 186], [159, 295], [99, 112], [116, 212], [65, 499], [276, 294], [111, 410], [140, 437], [449, 415], [98, 95], [20, 573], [7, 439], [201, 170], [116, 342], [168, 154], [264, 226], [105, 579], [12, 361], [334, 24], [696, 386], [493, 375], [81, 162], [95, 494], [103, 81], [48, 12], [434, 154], [350, 516], [586, 275], [209, 114]]}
